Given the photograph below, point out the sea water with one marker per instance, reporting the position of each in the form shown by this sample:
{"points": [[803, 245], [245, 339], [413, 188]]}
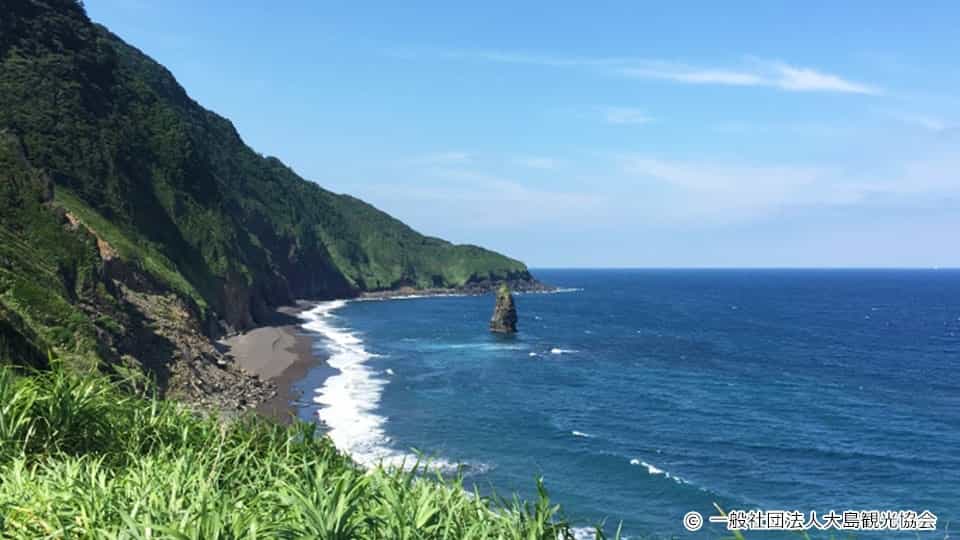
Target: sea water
{"points": [[641, 395]]}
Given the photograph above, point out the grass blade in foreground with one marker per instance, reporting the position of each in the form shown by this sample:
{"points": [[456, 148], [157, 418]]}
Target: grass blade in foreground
{"points": [[81, 458]]}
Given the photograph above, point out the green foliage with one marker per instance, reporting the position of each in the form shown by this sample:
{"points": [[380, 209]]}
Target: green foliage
{"points": [[79, 458], [176, 191], [45, 268], [130, 247], [102, 151]]}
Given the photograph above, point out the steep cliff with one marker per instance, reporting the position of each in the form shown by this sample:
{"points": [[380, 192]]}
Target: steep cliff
{"points": [[131, 214]]}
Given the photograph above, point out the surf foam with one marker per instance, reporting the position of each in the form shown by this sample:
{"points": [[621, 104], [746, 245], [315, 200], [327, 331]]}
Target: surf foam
{"points": [[653, 470], [584, 533], [350, 398]]}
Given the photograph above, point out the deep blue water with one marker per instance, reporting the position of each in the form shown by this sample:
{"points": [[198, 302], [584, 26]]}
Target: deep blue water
{"points": [[672, 390]]}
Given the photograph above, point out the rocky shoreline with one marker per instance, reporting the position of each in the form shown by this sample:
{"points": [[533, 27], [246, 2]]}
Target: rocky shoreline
{"points": [[273, 357], [279, 355], [471, 289]]}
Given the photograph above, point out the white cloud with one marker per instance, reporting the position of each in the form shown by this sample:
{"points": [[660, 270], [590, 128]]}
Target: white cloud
{"points": [[693, 190], [759, 73], [690, 190], [752, 72], [625, 115], [634, 189], [808, 80], [691, 75], [482, 200]]}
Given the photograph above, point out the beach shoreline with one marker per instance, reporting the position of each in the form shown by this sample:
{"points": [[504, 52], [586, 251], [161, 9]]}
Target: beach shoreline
{"points": [[280, 352]]}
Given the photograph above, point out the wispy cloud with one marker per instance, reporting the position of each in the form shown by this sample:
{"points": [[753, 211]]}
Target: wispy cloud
{"points": [[625, 190], [485, 201], [777, 74], [801, 128], [929, 123], [800, 79], [694, 190], [700, 190], [537, 162], [749, 72], [625, 115]]}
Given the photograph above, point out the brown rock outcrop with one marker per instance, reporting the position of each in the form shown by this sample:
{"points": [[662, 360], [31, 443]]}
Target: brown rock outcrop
{"points": [[504, 318]]}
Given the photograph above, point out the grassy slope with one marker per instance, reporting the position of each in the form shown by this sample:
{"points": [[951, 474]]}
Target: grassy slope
{"points": [[117, 129], [80, 458], [144, 255], [174, 191], [47, 273]]}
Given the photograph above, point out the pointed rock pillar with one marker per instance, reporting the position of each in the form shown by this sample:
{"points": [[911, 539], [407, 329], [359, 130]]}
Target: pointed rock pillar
{"points": [[504, 318]]}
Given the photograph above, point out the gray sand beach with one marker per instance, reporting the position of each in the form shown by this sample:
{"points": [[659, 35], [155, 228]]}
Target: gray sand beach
{"points": [[282, 353]]}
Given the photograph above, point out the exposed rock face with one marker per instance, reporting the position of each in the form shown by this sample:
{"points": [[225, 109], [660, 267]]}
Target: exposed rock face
{"points": [[167, 231], [504, 318]]}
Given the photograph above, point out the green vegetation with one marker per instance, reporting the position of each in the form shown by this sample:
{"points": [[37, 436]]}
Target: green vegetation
{"points": [[134, 226], [47, 273], [81, 458], [145, 256], [102, 149]]}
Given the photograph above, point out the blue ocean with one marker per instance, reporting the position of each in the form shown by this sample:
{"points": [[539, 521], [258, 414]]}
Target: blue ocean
{"points": [[641, 395]]}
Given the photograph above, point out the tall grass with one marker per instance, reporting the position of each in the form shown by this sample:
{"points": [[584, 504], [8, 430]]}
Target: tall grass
{"points": [[81, 458]]}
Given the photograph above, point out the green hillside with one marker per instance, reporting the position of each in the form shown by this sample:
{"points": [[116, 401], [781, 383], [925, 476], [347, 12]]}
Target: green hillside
{"points": [[133, 220]]}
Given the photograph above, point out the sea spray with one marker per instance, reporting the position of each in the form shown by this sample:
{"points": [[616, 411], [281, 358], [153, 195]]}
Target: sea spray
{"points": [[351, 397]]}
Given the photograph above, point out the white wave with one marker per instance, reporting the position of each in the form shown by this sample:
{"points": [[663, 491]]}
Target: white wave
{"points": [[532, 354], [584, 533], [581, 434], [558, 290], [557, 350], [656, 471], [411, 296], [478, 346], [350, 398], [389, 371]]}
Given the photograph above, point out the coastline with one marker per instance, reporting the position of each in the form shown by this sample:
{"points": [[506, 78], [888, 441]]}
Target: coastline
{"points": [[473, 289], [280, 352]]}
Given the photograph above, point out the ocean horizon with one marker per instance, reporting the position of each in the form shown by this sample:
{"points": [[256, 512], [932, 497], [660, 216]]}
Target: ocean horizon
{"points": [[642, 394], [271, 270]]}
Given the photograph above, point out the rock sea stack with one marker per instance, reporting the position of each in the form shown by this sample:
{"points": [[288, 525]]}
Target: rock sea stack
{"points": [[504, 318]]}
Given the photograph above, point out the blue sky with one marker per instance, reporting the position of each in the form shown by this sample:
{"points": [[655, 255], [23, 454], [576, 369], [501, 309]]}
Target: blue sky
{"points": [[697, 134]]}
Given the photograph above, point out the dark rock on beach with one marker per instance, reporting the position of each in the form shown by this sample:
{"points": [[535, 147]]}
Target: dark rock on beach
{"points": [[504, 318]]}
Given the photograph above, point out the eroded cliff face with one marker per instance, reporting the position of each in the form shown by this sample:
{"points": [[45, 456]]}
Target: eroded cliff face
{"points": [[168, 343], [504, 318], [161, 334], [67, 292], [136, 226], [144, 328]]}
